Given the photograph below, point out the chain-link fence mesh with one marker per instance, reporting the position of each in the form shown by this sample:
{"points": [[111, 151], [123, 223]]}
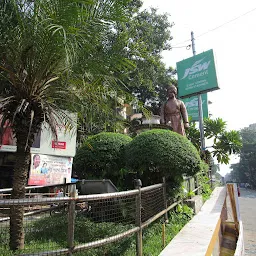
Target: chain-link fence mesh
{"points": [[57, 221], [54, 222], [152, 202]]}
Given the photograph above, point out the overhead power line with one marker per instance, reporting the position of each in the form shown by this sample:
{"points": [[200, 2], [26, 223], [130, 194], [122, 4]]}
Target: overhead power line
{"points": [[213, 29], [183, 46]]}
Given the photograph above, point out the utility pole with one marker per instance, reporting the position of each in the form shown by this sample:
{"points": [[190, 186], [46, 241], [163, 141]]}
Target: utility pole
{"points": [[200, 107]]}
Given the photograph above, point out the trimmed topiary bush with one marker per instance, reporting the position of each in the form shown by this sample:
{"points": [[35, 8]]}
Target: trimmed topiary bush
{"points": [[157, 153], [101, 156]]}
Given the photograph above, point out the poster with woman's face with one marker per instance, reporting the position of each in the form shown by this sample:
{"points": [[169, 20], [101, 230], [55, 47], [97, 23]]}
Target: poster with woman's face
{"points": [[49, 170]]}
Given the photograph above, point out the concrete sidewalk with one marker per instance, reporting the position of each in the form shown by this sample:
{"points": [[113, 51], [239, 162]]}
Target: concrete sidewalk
{"points": [[247, 202]]}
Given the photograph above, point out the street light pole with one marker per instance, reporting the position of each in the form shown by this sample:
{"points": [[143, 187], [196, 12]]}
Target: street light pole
{"points": [[200, 107]]}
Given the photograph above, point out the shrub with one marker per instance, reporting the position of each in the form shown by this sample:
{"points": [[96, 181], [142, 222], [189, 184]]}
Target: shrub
{"points": [[101, 156], [157, 153]]}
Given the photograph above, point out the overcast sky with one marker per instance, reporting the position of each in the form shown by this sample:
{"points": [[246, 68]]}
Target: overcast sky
{"points": [[234, 46]]}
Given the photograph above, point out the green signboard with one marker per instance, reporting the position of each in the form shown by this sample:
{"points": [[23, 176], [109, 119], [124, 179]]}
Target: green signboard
{"points": [[197, 75], [192, 106]]}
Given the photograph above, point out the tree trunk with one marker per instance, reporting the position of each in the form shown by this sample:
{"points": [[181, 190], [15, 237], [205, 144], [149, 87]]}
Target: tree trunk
{"points": [[18, 192]]}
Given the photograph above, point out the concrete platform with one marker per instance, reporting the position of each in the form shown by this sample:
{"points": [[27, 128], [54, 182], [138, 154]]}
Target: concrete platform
{"points": [[196, 203], [195, 239]]}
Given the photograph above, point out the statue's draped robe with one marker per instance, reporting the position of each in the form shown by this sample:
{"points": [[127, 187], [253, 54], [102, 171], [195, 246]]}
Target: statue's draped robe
{"points": [[174, 113]]}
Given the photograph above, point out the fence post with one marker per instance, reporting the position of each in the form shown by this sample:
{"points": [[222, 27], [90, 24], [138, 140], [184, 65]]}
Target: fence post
{"points": [[71, 219], [197, 185], [189, 187], [139, 246], [210, 177], [166, 214], [165, 199]]}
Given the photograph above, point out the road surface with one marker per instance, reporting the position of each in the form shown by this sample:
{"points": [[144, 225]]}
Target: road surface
{"points": [[247, 204]]}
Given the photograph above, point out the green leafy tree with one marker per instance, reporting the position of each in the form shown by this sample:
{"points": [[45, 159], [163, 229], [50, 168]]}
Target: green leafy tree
{"points": [[245, 170], [215, 168], [225, 142], [50, 53], [193, 135], [239, 173], [141, 39]]}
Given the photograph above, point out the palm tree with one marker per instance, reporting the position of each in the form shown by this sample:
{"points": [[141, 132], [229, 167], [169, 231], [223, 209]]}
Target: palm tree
{"points": [[43, 73]]}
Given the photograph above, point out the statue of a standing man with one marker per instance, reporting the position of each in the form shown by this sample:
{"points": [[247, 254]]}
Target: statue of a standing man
{"points": [[174, 112]]}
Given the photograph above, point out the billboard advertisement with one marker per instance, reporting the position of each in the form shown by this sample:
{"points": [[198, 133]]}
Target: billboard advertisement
{"points": [[192, 106], [45, 143], [49, 170], [197, 75]]}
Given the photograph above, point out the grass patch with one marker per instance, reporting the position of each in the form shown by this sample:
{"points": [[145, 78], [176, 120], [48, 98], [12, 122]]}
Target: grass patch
{"points": [[50, 233], [152, 236]]}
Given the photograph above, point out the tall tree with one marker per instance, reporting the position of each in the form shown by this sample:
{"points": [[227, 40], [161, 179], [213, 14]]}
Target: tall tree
{"points": [[141, 39], [245, 170], [44, 71]]}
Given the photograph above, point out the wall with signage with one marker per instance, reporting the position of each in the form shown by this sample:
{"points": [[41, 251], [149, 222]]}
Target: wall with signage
{"points": [[51, 158], [45, 143]]}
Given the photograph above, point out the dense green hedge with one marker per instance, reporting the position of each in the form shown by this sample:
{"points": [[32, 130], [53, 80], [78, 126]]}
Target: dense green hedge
{"points": [[157, 153], [149, 156], [101, 156]]}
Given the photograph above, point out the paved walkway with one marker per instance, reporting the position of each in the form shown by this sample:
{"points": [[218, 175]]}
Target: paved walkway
{"points": [[247, 202]]}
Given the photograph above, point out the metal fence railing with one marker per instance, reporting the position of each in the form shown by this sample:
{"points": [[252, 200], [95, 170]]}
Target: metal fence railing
{"points": [[60, 222]]}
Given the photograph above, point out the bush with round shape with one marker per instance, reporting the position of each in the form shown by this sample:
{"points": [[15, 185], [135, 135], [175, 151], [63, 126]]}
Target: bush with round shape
{"points": [[157, 153], [101, 156]]}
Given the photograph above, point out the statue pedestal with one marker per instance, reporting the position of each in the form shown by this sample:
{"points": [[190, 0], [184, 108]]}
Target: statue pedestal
{"points": [[154, 119], [144, 127], [143, 124]]}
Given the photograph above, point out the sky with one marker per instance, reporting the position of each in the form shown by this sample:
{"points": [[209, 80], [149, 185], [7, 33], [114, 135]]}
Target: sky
{"points": [[234, 46]]}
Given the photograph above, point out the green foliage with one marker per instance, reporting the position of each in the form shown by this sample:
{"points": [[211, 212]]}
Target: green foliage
{"points": [[214, 127], [61, 55], [142, 39], [248, 135], [193, 134], [225, 142], [204, 167], [206, 190], [152, 236], [215, 168], [157, 153], [139, 40], [228, 143], [49, 45], [190, 194], [101, 156], [207, 157], [185, 212], [54, 230], [245, 170]]}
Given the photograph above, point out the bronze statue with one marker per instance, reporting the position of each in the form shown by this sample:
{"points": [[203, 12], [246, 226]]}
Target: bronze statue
{"points": [[174, 112]]}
